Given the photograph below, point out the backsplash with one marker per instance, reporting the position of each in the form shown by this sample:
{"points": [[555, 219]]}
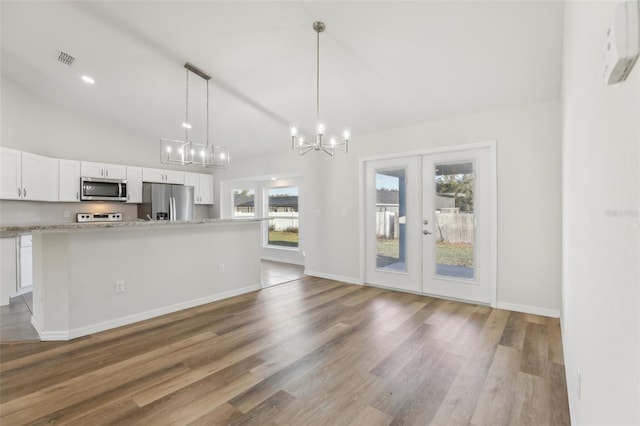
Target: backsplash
{"points": [[34, 212]]}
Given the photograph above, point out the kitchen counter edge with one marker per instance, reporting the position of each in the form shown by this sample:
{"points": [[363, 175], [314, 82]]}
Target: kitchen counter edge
{"points": [[16, 230]]}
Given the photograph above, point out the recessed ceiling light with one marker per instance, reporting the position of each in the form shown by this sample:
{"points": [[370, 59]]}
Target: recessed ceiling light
{"points": [[88, 79], [274, 178]]}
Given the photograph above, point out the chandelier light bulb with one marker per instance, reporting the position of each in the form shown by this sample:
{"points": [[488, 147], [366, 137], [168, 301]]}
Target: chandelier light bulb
{"points": [[321, 128], [202, 153], [193, 151], [332, 141], [294, 129], [169, 149], [346, 134], [186, 125]]}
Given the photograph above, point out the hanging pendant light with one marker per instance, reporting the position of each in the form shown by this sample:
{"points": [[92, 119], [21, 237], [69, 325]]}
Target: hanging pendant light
{"points": [[322, 143], [188, 153]]}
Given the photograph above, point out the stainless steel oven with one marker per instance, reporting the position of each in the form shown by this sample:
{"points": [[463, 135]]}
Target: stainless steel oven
{"points": [[101, 189]]}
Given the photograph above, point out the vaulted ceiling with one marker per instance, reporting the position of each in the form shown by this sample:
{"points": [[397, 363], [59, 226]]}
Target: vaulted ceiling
{"points": [[384, 64]]}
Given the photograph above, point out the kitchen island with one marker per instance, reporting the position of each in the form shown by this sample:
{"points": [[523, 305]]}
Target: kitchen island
{"points": [[90, 277]]}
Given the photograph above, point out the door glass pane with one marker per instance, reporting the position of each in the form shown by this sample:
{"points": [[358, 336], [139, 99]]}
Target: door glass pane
{"points": [[283, 217], [455, 220], [390, 220]]}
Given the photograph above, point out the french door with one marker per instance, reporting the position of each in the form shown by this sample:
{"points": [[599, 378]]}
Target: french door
{"points": [[431, 224]]}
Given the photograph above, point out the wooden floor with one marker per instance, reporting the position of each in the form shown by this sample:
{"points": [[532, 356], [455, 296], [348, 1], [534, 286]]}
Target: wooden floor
{"points": [[310, 351], [15, 320], [275, 273]]}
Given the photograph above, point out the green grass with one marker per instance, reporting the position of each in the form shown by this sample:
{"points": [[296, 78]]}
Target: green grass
{"points": [[455, 254], [283, 238]]}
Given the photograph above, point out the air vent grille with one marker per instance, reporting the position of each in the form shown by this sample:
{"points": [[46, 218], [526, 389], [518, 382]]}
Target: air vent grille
{"points": [[65, 58]]}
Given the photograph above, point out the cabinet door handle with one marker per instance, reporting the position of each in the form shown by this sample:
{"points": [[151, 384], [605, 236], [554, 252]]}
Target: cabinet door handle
{"points": [[106, 172], [77, 196], [24, 193], [19, 192]]}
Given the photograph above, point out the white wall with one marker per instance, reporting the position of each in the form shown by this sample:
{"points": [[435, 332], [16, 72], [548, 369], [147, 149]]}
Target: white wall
{"points": [[601, 265], [529, 195]]}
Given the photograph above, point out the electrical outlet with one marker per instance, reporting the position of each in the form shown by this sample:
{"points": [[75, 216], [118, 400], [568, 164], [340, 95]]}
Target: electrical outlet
{"points": [[119, 286], [221, 268], [66, 213], [579, 383]]}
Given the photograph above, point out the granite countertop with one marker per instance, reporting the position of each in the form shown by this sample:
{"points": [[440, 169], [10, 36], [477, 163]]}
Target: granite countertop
{"points": [[15, 230]]}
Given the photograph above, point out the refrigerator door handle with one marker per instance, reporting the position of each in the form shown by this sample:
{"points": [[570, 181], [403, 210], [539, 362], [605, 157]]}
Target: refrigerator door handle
{"points": [[172, 208]]}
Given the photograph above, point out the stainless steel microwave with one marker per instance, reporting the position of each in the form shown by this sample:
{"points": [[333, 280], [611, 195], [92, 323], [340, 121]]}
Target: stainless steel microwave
{"points": [[101, 189]]}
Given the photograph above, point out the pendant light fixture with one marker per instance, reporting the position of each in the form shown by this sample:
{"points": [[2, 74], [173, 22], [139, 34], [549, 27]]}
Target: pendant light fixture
{"points": [[188, 153], [322, 143]]}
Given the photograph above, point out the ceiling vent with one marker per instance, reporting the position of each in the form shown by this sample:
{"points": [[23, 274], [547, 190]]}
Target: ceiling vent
{"points": [[65, 58]]}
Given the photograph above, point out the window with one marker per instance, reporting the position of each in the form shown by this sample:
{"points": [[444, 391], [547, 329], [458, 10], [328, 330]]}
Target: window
{"points": [[244, 203], [282, 205]]}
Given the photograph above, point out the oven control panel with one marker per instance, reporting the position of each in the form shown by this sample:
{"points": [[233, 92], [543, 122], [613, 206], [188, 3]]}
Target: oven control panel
{"points": [[99, 217]]}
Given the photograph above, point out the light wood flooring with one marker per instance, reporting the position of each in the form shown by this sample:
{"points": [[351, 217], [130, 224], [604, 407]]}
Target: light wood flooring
{"points": [[15, 320], [311, 351], [275, 273]]}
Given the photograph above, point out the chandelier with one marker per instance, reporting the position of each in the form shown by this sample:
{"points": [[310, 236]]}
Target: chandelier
{"points": [[187, 152], [322, 143]]}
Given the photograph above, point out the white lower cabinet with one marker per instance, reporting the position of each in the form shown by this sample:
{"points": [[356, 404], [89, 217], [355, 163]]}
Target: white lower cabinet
{"points": [[202, 186], [69, 181], [134, 184]]}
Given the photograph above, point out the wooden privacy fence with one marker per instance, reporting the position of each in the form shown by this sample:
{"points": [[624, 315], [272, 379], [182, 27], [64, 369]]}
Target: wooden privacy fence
{"points": [[450, 227], [455, 227]]}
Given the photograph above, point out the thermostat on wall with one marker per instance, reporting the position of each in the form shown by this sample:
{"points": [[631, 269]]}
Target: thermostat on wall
{"points": [[623, 38]]}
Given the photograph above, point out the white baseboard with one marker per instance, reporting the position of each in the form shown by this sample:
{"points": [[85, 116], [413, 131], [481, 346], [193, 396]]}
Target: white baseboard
{"points": [[535, 310], [130, 319], [283, 260], [349, 280]]}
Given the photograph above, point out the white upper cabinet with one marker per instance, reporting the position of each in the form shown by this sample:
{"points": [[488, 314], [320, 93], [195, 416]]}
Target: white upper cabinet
{"points": [[69, 181], [27, 176], [103, 170], [134, 184], [203, 186], [162, 176], [206, 189], [11, 174]]}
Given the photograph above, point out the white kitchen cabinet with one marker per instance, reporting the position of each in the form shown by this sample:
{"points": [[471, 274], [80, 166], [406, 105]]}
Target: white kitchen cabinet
{"points": [[27, 176], [162, 176], [69, 181], [11, 174], [103, 170], [202, 187], [134, 184]]}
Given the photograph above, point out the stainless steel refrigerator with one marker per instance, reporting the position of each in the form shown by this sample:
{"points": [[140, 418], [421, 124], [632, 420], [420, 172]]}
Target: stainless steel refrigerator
{"points": [[161, 201]]}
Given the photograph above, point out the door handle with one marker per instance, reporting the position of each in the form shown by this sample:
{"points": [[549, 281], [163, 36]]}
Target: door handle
{"points": [[425, 232], [425, 222], [24, 193]]}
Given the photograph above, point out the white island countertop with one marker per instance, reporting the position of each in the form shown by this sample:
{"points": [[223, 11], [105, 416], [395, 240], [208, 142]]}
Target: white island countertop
{"points": [[7, 231]]}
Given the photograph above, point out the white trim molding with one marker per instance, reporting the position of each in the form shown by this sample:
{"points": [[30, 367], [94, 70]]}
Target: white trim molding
{"points": [[74, 333], [526, 309], [341, 278]]}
